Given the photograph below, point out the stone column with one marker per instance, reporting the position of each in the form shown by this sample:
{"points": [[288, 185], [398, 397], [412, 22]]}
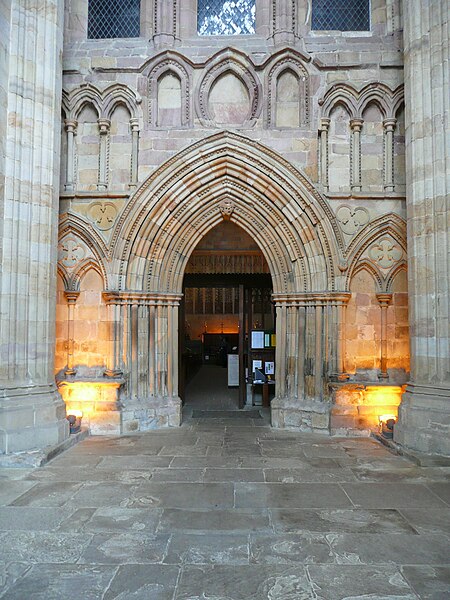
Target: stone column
{"points": [[389, 127], [32, 414], [151, 348], [324, 129], [165, 22], [307, 337], [71, 128], [134, 124], [356, 126], [284, 19], [71, 298], [424, 417], [384, 301], [114, 362], [103, 127]]}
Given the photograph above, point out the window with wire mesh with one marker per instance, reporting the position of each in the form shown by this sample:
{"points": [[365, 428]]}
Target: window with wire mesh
{"points": [[113, 19], [341, 15], [229, 17]]}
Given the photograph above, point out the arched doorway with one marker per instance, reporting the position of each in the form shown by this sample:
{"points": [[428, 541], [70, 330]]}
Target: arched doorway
{"points": [[228, 177], [227, 296]]}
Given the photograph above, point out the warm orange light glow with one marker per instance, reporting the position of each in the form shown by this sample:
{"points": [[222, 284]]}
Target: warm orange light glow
{"points": [[379, 394], [385, 418], [75, 412], [80, 396]]}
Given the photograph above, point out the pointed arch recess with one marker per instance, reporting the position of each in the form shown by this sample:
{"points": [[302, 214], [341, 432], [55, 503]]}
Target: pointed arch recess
{"points": [[265, 195]]}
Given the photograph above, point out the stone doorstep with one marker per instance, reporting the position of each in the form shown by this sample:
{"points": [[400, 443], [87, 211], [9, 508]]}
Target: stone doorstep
{"points": [[420, 458], [39, 458]]}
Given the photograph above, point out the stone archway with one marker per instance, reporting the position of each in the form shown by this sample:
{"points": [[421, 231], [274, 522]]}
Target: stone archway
{"points": [[227, 176]]}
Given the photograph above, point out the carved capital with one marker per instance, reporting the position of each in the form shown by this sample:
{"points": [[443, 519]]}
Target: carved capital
{"points": [[384, 300], [389, 124], [356, 124], [325, 124], [104, 125], [71, 296], [70, 125], [134, 124]]}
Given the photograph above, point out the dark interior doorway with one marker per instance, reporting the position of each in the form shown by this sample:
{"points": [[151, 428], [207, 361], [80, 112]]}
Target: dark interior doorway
{"points": [[218, 318]]}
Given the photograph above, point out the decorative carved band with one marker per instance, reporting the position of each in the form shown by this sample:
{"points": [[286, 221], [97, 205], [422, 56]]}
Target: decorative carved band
{"points": [[141, 298], [312, 299]]}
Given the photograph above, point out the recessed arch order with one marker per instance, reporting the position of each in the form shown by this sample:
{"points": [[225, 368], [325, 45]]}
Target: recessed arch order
{"points": [[227, 176]]}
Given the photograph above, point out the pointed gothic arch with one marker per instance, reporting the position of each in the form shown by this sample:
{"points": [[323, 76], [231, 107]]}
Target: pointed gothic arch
{"points": [[265, 195], [227, 177]]}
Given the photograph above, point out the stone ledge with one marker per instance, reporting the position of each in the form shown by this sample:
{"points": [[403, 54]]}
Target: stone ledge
{"points": [[420, 458], [39, 458]]}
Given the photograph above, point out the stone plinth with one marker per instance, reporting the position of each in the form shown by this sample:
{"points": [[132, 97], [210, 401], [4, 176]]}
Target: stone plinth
{"points": [[287, 413], [357, 406], [150, 413], [98, 399]]}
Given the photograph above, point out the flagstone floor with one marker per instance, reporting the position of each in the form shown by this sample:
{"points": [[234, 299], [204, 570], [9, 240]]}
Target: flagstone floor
{"points": [[225, 509]]}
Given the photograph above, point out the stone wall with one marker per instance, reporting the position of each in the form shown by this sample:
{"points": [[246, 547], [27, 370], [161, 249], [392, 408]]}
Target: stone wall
{"points": [[329, 104]]}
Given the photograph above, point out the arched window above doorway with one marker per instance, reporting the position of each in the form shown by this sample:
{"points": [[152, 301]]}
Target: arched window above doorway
{"points": [[219, 17]]}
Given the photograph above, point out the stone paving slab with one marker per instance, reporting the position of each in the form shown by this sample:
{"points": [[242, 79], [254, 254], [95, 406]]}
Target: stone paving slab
{"points": [[222, 511], [332, 582], [217, 521], [340, 521], [55, 582]]}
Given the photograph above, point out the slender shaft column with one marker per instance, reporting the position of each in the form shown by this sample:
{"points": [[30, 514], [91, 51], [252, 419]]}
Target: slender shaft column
{"points": [[165, 22], [389, 128], [284, 20], [356, 126], [324, 129], [114, 363], [384, 301], [71, 128], [424, 418], [318, 354], [32, 414], [71, 298], [134, 124], [103, 126]]}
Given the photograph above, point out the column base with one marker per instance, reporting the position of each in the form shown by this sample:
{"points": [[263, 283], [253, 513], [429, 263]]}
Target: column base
{"points": [[291, 413], [31, 419], [150, 413], [424, 420]]}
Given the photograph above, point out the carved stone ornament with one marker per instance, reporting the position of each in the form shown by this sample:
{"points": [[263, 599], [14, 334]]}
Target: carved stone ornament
{"points": [[227, 207], [71, 252], [352, 219], [385, 253], [103, 215]]}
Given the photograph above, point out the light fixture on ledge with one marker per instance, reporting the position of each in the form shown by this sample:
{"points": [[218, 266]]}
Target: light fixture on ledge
{"points": [[74, 417], [386, 423]]}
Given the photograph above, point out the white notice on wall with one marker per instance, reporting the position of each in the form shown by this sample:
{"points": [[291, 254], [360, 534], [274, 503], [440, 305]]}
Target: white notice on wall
{"points": [[269, 367], [257, 364], [233, 370], [257, 339]]}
